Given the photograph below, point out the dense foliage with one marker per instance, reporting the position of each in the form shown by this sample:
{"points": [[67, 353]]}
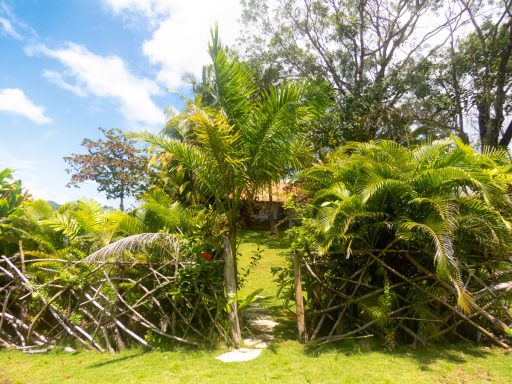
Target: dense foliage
{"points": [[106, 278], [415, 224], [408, 244], [401, 70]]}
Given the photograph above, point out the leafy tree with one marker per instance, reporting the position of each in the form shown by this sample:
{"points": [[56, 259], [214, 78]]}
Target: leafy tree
{"points": [[118, 167], [372, 52], [481, 71], [390, 83], [245, 140]]}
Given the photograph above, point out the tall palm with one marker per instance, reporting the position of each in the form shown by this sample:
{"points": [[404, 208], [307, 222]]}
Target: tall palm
{"points": [[245, 138]]}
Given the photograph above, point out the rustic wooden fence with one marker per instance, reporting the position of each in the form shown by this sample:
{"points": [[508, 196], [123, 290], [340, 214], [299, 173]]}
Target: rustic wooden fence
{"points": [[395, 296], [107, 304]]}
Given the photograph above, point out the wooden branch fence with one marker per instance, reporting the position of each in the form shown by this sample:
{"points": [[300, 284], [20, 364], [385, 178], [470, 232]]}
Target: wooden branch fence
{"points": [[111, 305], [394, 296]]}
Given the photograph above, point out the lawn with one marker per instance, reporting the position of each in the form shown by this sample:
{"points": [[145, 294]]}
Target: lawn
{"points": [[285, 362]]}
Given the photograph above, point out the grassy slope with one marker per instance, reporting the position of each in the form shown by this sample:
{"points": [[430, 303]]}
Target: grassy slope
{"points": [[286, 362], [274, 250]]}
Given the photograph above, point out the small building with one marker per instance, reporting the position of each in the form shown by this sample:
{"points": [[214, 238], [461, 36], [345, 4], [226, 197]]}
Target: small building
{"points": [[267, 209]]}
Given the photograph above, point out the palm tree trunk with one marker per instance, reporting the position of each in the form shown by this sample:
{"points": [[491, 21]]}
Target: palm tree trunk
{"points": [[231, 289], [271, 210], [232, 214]]}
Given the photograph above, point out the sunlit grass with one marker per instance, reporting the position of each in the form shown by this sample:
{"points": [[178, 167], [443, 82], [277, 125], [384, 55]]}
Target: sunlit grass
{"points": [[286, 362], [274, 251]]}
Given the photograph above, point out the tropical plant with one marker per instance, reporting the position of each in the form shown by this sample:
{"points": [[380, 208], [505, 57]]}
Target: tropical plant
{"points": [[11, 198], [71, 232], [11, 194], [400, 213], [245, 140]]}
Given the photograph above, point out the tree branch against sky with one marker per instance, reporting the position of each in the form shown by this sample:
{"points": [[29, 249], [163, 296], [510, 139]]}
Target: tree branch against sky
{"points": [[388, 62], [368, 50]]}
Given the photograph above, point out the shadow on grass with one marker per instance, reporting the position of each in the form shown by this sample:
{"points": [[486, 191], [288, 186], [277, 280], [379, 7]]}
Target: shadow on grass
{"points": [[424, 356], [116, 360]]}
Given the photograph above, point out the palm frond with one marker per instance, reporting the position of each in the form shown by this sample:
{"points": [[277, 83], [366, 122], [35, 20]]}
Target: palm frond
{"points": [[122, 250], [233, 83]]}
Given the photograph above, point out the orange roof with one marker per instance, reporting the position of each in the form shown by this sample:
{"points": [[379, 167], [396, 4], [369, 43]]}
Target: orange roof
{"points": [[281, 192]]}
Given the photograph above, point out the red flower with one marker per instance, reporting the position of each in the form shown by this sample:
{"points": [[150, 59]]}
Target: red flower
{"points": [[207, 256]]}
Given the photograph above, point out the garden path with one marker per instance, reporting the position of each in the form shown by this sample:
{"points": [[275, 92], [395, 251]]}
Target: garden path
{"points": [[259, 318]]}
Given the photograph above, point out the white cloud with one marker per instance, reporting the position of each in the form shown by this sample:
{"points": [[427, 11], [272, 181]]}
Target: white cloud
{"points": [[104, 76], [180, 41], [57, 79], [149, 8], [8, 28], [15, 101]]}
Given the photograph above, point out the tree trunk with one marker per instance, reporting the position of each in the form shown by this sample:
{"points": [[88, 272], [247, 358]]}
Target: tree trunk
{"points": [[299, 302], [121, 204], [271, 210], [457, 92], [230, 282]]}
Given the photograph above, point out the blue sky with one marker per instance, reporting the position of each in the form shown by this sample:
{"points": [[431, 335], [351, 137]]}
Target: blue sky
{"points": [[70, 66]]}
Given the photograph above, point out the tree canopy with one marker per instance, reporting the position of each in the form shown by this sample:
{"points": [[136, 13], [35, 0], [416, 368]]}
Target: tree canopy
{"points": [[401, 70], [119, 168]]}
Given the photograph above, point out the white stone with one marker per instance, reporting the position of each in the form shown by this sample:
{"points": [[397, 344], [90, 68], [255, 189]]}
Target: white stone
{"points": [[251, 342], [255, 315], [238, 355], [256, 343], [263, 325]]}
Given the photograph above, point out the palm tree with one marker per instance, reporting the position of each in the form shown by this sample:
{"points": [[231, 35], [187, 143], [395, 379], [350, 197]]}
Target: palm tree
{"points": [[441, 200], [244, 139]]}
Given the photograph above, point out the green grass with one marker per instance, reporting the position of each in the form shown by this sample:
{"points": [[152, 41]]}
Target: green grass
{"points": [[285, 362], [273, 248]]}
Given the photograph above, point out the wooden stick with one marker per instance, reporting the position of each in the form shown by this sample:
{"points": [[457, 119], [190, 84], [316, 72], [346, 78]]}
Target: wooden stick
{"points": [[330, 339], [320, 323], [22, 257], [45, 307], [61, 318], [18, 323], [439, 300], [7, 273], [4, 308], [498, 324], [299, 300], [121, 325]]}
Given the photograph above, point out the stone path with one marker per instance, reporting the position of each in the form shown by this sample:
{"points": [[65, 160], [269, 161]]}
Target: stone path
{"points": [[261, 326]]}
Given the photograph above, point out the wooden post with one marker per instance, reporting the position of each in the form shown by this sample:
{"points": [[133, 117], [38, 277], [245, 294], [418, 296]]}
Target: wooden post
{"points": [[22, 257], [230, 282], [23, 304], [299, 301]]}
